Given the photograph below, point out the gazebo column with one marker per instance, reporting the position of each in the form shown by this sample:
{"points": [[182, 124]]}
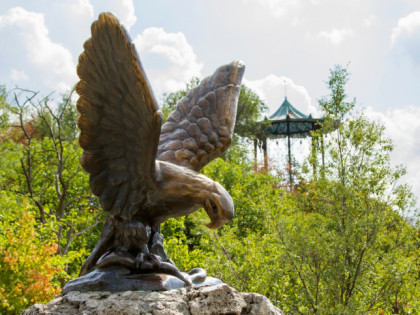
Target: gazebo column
{"points": [[322, 150], [289, 162], [313, 140], [264, 147], [255, 154], [289, 152]]}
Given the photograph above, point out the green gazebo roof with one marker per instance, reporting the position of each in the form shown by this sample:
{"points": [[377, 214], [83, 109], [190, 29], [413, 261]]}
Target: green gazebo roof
{"points": [[288, 121], [287, 109]]}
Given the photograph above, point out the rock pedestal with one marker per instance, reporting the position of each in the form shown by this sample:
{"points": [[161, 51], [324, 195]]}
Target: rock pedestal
{"points": [[206, 300]]}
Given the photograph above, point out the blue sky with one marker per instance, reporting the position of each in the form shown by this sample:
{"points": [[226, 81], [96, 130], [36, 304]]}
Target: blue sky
{"points": [[296, 41]]}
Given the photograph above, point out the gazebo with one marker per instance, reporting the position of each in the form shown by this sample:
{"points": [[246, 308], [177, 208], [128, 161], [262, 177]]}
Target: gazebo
{"points": [[289, 122]]}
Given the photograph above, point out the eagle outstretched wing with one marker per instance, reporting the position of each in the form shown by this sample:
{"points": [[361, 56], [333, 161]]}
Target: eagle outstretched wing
{"points": [[119, 119], [201, 127]]}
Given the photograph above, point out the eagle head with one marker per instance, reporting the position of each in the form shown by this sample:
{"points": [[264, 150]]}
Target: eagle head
{"points": [[219, 207]]}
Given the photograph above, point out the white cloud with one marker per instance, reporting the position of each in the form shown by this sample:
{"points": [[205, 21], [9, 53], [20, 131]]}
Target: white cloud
{"points": [[51, 62], [79, 15], [80, 8], [18, 75], [124, 10], [271, 91], [403, 127], [174, 50], [280, 7], [371, 20], [336, 36], [406, 26]]}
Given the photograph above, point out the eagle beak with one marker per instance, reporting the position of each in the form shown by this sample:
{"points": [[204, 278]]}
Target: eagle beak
{"points": [[212, 211], [218, 214], [215, 224]]}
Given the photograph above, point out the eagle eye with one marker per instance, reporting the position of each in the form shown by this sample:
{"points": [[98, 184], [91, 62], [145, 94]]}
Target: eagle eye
{"points": [[213, 206]]}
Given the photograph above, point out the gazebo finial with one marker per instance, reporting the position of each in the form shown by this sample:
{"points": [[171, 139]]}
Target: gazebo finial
{"points": [[285, 90]]}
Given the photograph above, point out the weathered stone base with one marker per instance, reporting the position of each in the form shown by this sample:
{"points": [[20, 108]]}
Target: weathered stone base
{"points": [[217, 299]]}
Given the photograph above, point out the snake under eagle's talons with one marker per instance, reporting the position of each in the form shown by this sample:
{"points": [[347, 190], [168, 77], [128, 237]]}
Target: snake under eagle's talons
{"points": [[197, 275], [153, 263], [139, 260]]}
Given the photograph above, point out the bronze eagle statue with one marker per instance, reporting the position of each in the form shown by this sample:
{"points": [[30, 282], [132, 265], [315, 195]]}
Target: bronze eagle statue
{"points": [[145, 173]]}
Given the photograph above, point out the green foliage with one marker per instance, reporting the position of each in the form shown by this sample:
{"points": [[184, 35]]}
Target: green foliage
{"points": [[304, 251], [186, 249], [170, 100], [250, 109], [335, 104], [23, 250], [62, 122], [359, 199], [351, 207], [252, 193], [4, 110], [40, 161]]}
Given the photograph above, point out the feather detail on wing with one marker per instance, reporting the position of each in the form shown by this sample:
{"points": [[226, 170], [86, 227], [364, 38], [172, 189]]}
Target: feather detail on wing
{"points": [[201, 127], [119, 119]]}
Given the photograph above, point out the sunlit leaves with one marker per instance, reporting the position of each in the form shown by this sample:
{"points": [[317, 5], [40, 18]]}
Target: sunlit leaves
{"points": [[29, 268]]}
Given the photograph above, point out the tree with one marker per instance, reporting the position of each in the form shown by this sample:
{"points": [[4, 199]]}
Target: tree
{"points": [[335, 105], [170, 100], [41, 148], [29, 269], [250, 109], [351, 213]]}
